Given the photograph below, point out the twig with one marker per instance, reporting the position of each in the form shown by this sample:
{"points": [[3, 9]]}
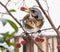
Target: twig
{"points": [[3, 13], [46, 29], [20, 25], [58, 27], [50, 21], [47, 6], [7, 2], [48, 17]]}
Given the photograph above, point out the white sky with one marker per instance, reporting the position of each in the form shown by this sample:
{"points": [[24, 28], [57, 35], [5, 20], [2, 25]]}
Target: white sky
{"points": [[54, 11]]}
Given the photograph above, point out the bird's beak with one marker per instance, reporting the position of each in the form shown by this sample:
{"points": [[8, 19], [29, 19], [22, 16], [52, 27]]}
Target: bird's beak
{"points": [[28, 10]]}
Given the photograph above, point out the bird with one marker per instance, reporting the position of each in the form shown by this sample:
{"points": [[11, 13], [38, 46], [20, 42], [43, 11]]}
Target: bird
{"points": [[33, 21]]}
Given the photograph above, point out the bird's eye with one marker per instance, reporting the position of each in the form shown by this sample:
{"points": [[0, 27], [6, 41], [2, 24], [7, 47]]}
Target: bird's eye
{"points": [[33, 11], [36, 17]]}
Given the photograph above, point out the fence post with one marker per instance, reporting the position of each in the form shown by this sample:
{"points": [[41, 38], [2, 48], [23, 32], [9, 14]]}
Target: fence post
{"points": [[46, 44], [40, 44], [52, 44], [29, 47], [16, 40]]}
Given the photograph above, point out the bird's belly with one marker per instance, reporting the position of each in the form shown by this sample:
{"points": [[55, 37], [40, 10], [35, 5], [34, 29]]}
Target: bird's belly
{"points": [[33, 26], [31, 30]]}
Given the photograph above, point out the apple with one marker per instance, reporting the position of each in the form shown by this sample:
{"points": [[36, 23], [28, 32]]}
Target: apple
{"points": [[41, 40], [58, 47], [23, 8], [18, 45], [23, 42], [37, 39]]}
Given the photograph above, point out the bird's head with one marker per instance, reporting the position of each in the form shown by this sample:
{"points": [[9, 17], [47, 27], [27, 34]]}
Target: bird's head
{"points": [[35, 12]]}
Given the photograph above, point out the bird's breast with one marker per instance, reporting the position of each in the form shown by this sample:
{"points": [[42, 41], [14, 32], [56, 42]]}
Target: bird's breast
{"points": [[33, 23]]}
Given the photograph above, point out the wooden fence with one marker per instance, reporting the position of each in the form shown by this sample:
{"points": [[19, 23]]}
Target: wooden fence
{"points": [[49, 45]]}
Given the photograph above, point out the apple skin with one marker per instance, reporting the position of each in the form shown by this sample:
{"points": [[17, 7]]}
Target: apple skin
{"points": [[18, 45], [38, 39], [58, 46], [23, 42], [23, 8], [41, 39]]}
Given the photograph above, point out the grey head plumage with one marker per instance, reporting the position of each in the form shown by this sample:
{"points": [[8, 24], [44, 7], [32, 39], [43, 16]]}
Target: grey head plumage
{"points": [[36, 13]]}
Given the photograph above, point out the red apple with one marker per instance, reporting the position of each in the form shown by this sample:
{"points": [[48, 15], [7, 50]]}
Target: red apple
{"points": [[58, 47], [41, 40], [18, 45], [23, 8], [37, 39], [23, 42]]}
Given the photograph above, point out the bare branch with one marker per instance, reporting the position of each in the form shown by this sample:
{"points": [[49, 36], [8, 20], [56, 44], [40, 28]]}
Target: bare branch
{"points": [[47, 6], [48, 17], [7, 2], [58, 27], [46, 29], [3, 13]]}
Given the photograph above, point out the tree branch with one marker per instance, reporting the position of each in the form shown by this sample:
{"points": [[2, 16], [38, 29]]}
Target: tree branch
{"points": [[50, 21], [3, 13], [48, 17], [58, 27], [20, 26], [7, 2]]}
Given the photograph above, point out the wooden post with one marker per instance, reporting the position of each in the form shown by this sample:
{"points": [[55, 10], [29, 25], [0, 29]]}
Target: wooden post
{"points": [[58, 41], [46, 44], [16, 40], [29, 47], [24, 48], [40, 44], [52, 44]]}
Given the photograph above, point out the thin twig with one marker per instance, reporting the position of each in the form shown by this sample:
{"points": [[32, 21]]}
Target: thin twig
{"points": [[3, 13], [48, 17], [7, 2], [47, 6], [46, 29], [50, 21], [58, 27], [20, 25]]}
